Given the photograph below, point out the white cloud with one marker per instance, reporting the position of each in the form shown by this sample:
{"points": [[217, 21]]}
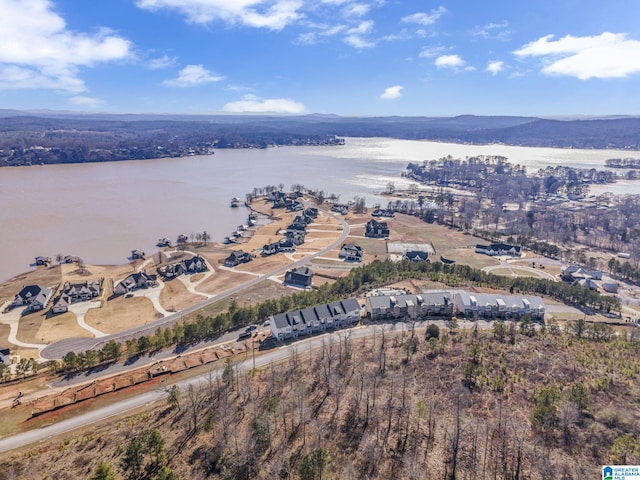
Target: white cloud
{"points": [[356, 9], [270, 14], [495, 67], [433, 51], [234, 87], [392, 93], [86, 101], [608, 55], [494, 31], [193, 75], [355, 36], [357, 41], [254, 104], [425, 19], [39, 51], [454, 62], [161, 62]]}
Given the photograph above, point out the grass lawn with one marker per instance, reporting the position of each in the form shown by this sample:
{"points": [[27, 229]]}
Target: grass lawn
{"points": [[40, 328], [175, 296], [515, 272], [256, 294], [121, 314], [223, 280]]}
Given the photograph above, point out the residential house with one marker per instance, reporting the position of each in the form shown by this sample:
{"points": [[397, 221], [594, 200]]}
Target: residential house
{"points": [[195, 264], [286, 245], [33, 297], [311, 212], [315, 319], [61, 305], [236, 258], [297, 226], [409, 306], [587, 283], [499, 249], [572, 273], [340, 208], [485, 305], [610, 287], [135, 281], [299, 277], [375, 229], [44, 261], [296, 237], [351, 252], [172, 270], [270, 249], [295, 206], [81, 292], [416, 256], [69, 259]]}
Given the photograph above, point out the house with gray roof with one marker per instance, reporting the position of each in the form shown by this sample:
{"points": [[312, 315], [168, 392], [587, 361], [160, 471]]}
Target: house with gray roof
{"points": [[135, 281], [375, 229], [33, 297], [195, 264], [499, 249], [486, 305], [409, 306], [76, 292], [416, 256], [236, 258], [299, 277], [315, 319], [351, 252]]}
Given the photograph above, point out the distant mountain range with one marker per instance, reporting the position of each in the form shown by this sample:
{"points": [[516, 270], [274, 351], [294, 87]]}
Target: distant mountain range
{"points": [[69, 137]]}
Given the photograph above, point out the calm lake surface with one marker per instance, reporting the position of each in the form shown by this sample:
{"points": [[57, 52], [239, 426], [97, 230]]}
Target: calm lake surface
{"points": [[100, 212]]}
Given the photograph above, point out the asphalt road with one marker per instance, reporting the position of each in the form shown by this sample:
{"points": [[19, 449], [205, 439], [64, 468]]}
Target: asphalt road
{"points": [[58, 349], [306, 345]]}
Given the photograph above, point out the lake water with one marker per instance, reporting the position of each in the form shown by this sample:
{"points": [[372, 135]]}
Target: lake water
{"points": [[102, 211]]}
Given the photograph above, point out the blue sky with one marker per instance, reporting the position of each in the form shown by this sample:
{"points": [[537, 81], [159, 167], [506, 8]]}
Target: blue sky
{"points": [[346, 57]]}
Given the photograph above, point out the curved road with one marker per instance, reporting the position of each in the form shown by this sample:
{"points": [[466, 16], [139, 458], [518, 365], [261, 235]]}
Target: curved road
{"points": [[122, 406], [59, 349]]}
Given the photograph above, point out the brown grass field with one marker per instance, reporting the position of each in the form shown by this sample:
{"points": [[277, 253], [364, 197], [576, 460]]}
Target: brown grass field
{"points": [[222, 280], [41, 328], [121, 314], [175, 296]]}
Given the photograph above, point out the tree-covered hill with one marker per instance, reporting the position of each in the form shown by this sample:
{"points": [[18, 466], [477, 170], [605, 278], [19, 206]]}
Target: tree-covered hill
{"points": [[50, 137]]}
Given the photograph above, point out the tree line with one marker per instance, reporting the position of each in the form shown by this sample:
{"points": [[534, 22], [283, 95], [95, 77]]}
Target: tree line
{"points": [[360, 279]]}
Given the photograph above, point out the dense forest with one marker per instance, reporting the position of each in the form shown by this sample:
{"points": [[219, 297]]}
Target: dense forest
{"points": [[27, 139], [508, 403]]}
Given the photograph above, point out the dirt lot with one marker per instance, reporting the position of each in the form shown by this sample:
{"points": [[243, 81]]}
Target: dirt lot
{"points": [[256, 294], [222, 280], [175, 296], [121, 313], [42, 328]]}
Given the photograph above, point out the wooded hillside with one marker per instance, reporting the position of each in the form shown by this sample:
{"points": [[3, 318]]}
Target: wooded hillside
{"points": [[510, 403]]}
